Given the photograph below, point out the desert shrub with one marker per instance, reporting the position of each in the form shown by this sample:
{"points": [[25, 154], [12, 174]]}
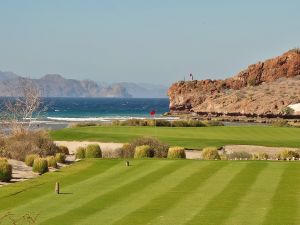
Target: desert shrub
{"points": [[18, 145], [287, 154], [143, 151], [60, 157], [251, 81], [127, 151], [239, 155], [298, 152], [29, 159], [63, 149], [176, 153], [133, 122], [196, 123], [280, 123], [296, 50], [261, 156], [80, 153], [162, 123], [93, 151], [5, 171], [2, 159], [213, 123], [210, 153], [166, 123], [51, 161], [40, 165], [180, 123], [287, 111], [87, 124], [4, 153], [158, 149]]}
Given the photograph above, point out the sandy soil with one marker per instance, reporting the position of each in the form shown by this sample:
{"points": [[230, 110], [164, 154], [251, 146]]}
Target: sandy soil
{"points": [[73, 145], [20, 172], [254, 149]]}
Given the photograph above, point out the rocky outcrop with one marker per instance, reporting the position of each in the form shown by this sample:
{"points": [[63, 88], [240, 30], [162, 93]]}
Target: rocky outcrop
{"points": [[265, 88]]}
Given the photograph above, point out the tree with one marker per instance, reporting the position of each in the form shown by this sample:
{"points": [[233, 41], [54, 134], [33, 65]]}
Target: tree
{"points": [[288, 111], [25, 104]]}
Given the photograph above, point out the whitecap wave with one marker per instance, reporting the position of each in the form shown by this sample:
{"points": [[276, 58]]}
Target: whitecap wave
{"points": [[105, 119]]}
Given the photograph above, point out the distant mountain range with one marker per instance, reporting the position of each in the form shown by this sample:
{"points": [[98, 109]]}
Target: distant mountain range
{"points": [[55, 85]]}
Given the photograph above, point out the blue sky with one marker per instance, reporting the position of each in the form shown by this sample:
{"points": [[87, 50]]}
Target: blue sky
{"points": [[157, 41]]}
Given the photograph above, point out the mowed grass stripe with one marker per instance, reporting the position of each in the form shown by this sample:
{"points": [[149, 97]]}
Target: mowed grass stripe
{"points": [[259, 197], [198, 198], [141, 198], [97, 184], [44, 185], [221, 207], [189, 137], [163, 202], [96, 205], [285, 205]]}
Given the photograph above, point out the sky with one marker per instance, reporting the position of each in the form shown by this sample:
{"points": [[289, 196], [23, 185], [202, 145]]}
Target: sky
{"points": [[154, 41]]}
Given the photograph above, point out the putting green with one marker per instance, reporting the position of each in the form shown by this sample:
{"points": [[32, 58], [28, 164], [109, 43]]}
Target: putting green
{"points": [[189, 137], [161, 192]]}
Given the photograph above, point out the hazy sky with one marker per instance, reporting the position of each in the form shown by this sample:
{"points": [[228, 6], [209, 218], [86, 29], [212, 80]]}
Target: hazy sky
{"points": [[156, 41]]}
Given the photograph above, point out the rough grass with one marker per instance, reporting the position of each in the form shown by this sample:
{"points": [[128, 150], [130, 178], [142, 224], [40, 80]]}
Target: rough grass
{"points": [[188, 137], [98, 191]]}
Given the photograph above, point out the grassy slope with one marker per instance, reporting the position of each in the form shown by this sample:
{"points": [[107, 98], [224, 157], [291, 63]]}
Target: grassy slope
{"points": [[188, 137], [162, 192]]}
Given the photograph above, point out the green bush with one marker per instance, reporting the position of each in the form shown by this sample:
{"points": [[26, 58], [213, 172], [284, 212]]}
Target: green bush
{"points": [[280, 123], [213, 123], [3, 159], [143, 151], [157, 148], [40, 165], [60, 157], [196, 123], [30, 158], [63, 149], [287, 154], [88, 124], [80, 153], [180, 123], [261, 156], [51, 161], [166, 123], [5, 171], [176, 153], [93, 151], [3, 152], [210, 153], [239, 155], [162, 123], [127, 151]]}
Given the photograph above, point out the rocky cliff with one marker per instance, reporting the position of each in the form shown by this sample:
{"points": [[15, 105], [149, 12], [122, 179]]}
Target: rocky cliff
{"points": [[264, 88]]}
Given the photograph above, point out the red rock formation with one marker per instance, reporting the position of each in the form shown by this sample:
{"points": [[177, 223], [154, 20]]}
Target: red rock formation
{"points": [[224, 96]]}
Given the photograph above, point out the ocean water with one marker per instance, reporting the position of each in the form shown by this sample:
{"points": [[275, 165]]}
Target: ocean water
{"points": [[102, 109]]}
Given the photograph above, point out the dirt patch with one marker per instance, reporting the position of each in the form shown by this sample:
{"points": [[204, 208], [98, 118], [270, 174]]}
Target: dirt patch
{"points": [[20, 172], [255, 149]]}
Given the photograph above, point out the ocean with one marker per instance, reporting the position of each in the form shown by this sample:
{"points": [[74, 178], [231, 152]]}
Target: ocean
{"points": [[102, 109]]}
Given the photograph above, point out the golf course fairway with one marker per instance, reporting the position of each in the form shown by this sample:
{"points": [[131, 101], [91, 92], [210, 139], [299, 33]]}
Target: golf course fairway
{"points": [[160, 192], [188, 137]]}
